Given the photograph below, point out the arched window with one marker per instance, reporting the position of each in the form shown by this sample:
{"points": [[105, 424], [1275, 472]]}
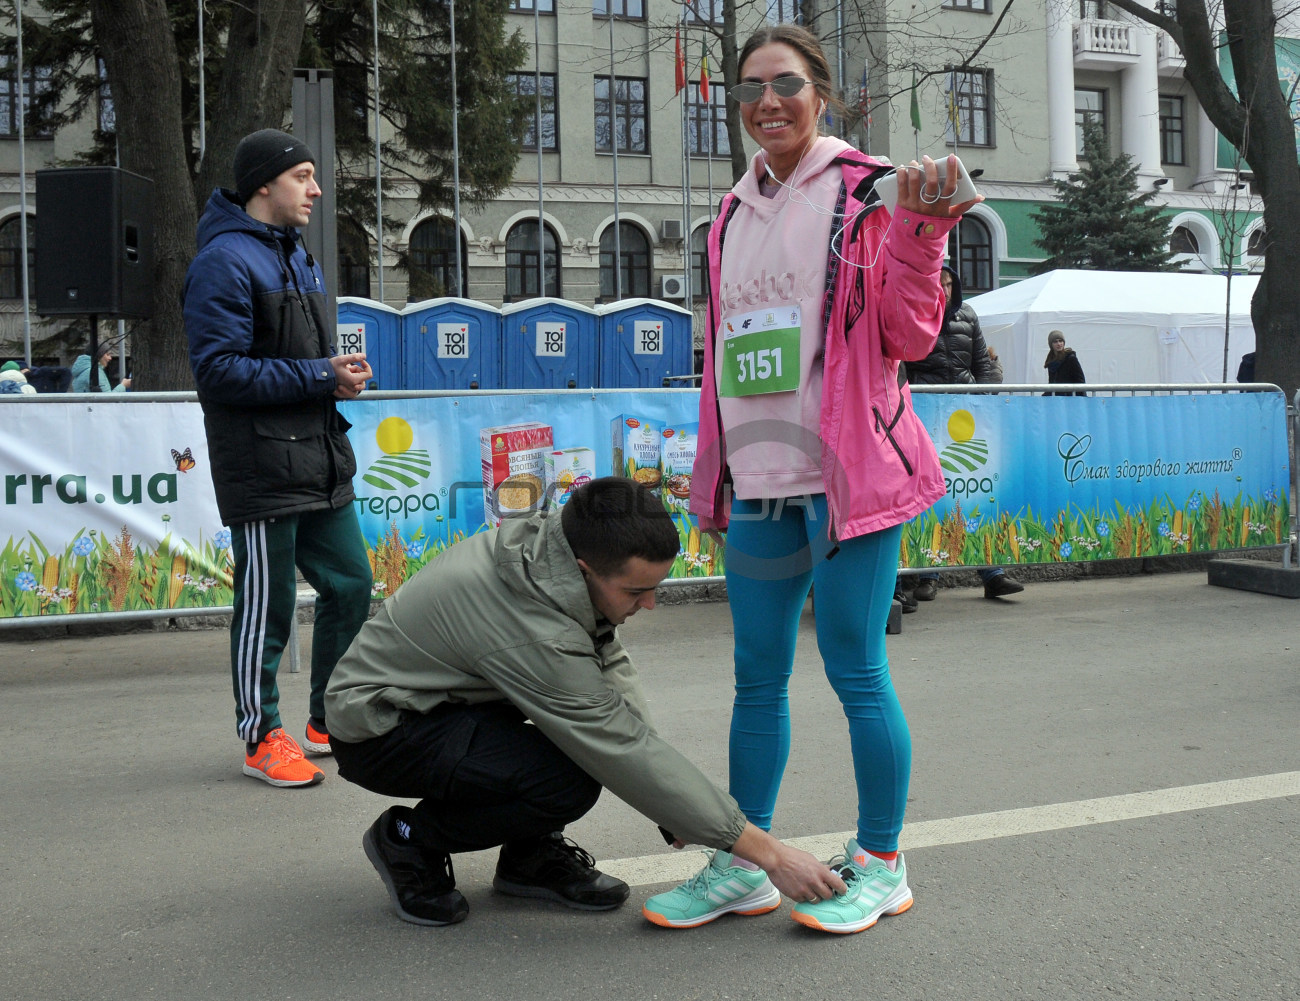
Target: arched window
{"points": [[354, 259], [522, 261], [700, 262], [432, 261], [1256, 244], [970, 253], [11, 258], [1183, 241], [633, 262]]}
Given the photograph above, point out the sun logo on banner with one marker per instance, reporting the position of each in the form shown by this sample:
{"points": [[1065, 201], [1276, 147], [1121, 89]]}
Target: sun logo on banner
{"points": [[400, 465], [965, 453]]}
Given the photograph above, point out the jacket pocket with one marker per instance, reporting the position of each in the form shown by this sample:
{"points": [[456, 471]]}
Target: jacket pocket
{"points": [[345, 461], [889, 426], [289, 449]]}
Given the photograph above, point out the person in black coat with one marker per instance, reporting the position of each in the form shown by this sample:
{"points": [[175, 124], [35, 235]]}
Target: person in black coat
{"points": [[1062, 365], [959, 357]]}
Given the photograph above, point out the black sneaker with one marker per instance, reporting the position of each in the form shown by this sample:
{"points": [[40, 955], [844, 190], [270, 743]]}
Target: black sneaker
{"points": [[554, 868], [1001, 586], [421, 885], [907, 599]]}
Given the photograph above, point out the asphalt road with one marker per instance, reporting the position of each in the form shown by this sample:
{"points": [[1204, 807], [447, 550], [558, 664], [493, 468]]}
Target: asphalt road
{"points": [[1105, 802]]}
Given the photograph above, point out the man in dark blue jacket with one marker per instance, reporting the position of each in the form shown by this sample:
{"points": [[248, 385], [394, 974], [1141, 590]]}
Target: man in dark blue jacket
{"points": [[268, 379]]}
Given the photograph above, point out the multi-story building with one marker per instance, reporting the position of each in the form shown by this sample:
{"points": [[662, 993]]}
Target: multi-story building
{"points": [[1013, 109]]}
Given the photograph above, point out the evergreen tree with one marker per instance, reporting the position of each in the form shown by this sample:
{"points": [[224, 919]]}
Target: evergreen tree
{"points": [[1100, 221]]}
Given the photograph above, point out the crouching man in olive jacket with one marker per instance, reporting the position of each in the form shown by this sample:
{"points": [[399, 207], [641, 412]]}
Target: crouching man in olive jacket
{"points": [[493, 687]]}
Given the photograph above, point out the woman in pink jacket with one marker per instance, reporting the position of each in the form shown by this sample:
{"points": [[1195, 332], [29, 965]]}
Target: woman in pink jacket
{"points": [[811, 459]]}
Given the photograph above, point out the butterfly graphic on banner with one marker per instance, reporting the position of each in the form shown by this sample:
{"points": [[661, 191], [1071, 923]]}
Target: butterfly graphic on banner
{"points": [[184, 460]]}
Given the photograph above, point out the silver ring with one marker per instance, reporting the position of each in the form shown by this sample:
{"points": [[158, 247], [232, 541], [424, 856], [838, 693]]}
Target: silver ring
{"points": [[928, 201]]}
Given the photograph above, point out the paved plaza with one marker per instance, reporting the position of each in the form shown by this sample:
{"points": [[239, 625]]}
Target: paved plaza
{"points": [[1105, 802]]}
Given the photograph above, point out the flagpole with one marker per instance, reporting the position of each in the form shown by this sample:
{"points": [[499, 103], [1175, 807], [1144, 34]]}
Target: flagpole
{"points": [[713, 149], [455, 154], [537, 129], [203, 101], [683, 89], [916, 118], [379, 182], [954, 117], [22, 194], [613, 145]]}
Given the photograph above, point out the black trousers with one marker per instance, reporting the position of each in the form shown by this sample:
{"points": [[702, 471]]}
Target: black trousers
{"points": [[483, 774]]}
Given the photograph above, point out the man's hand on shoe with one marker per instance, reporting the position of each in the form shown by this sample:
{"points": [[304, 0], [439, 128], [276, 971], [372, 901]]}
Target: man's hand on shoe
{"points": [[798, 875]]}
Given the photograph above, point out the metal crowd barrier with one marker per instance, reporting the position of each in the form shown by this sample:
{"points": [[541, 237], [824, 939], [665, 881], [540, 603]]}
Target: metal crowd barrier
{"points": [[1289, 550]]}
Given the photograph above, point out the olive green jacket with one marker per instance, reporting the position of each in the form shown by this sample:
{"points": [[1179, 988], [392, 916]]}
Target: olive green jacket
{"points": [[506, 615]]}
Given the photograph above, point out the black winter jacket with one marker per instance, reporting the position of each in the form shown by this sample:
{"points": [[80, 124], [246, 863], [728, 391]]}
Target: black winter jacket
{"points": [[960, 354], [259, 348], [1064, 370]]}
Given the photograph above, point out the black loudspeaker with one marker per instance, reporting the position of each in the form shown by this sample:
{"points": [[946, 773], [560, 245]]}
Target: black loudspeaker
{"points": [[94, 243]]}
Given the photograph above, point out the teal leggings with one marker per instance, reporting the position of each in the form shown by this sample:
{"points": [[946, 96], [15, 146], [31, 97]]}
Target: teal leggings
{"points": [[775, 551]]}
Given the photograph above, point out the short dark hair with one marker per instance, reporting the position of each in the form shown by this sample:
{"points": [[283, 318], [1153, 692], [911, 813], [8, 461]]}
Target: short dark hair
{"points": [[612, 519]]}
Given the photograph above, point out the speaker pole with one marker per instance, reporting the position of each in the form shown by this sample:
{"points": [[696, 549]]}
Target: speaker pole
{"points": [[22, 190], [92, 386]]}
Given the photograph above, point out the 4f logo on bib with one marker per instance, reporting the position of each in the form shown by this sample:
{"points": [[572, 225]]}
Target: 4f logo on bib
{"points": [[760, 353]]}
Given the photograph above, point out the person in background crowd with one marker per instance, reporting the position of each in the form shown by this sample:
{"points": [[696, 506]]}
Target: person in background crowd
{"points": [[995, 367], [960, 357], [1062, 365], [50, 378], [13, 381], [81, 374]]}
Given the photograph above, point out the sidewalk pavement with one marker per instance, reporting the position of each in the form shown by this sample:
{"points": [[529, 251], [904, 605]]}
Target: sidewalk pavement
{"points": [[1105, 801]]}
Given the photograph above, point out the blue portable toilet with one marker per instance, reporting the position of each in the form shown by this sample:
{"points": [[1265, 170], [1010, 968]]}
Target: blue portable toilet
{"points": [[370, 326], [451, 343], [644, 342], [548, 344]]}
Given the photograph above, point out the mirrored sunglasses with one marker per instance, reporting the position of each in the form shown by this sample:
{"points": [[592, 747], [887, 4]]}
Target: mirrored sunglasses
{"points": [[782, 86]]}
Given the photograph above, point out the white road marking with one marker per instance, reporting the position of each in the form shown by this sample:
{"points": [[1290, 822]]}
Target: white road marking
{"points": [[652, 869]]}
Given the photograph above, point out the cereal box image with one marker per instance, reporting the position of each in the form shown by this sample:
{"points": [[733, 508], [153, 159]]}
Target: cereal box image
{"points": [[514, 469], [566, 470], [637, 447], [677, 459]]}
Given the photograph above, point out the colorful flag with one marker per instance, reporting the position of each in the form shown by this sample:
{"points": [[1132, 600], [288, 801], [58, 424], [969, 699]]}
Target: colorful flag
{"points": [[954, 113], [681, 63], [864, 99], [704, 73], [916, 107]]}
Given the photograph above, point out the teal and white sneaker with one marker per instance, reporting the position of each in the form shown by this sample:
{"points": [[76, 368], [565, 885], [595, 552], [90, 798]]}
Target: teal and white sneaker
{"points": [[872, 891], [717, 889]]}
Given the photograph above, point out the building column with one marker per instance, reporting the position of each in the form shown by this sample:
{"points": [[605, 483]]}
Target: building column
{"points": [[1063, 157], [1208, 177], [1140, 118]]}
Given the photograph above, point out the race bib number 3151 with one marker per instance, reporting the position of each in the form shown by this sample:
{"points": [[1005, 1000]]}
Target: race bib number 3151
{"points": [[760, 353]]}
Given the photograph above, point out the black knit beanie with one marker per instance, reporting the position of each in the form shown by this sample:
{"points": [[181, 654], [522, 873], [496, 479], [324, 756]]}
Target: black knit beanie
{"points": [[264, 156]]}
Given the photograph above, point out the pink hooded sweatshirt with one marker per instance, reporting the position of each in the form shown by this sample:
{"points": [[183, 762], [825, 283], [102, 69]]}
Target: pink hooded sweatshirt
{"points": [[883, 306]]}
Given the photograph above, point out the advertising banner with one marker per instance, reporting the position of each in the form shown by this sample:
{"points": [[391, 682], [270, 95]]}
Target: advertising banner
{"points": [[1070, 479], [108, 506]]}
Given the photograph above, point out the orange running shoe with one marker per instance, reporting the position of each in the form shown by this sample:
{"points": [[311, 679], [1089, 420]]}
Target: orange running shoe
{"points": [[318, 738], [279, 760]]}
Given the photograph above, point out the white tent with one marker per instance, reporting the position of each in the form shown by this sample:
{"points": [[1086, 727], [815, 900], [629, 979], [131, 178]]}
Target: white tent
{"points": [[1126, 326]]}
